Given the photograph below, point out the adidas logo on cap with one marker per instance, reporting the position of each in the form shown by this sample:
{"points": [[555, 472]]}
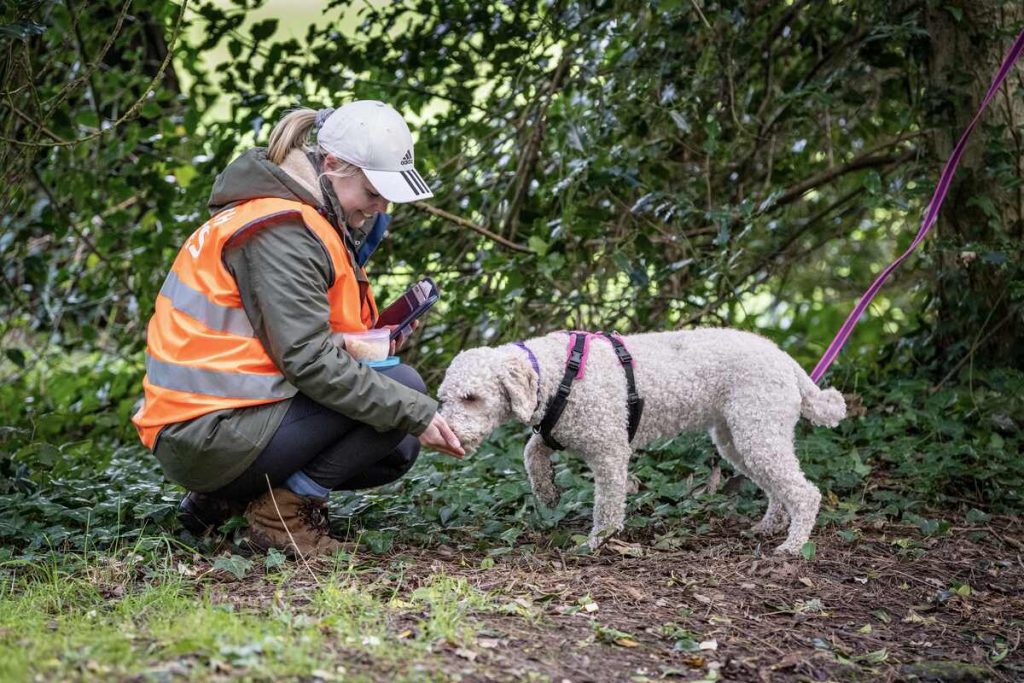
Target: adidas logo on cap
{"points": [[407, 159]]}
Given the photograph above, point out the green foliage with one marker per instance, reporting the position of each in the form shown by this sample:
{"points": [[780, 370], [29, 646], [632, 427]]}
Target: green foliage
{"points": [[659, 170], [915, 449], [751, 164]]}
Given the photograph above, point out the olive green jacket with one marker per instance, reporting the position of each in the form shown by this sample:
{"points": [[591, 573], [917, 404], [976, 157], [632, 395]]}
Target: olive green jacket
{"points": [[283, 273]]}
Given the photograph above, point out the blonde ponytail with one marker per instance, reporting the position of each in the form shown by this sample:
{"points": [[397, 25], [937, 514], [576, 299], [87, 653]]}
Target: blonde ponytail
{"points": [[291, 132]]}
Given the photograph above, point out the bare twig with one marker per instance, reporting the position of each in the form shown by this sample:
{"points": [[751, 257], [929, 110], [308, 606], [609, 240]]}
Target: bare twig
{"points": [[80, 43], [131, 110], [856, 164], [699, 13], [530, 155], [980, 340], [457, 220], [57, 99], [29, 120], [273, 499]]}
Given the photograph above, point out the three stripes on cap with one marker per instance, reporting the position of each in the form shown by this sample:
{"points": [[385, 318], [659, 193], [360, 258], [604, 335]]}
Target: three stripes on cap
{"points": [[415, 182]]}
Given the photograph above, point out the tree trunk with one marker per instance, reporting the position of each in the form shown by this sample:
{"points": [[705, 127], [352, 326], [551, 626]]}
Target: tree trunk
{"points": [[981, 227]]}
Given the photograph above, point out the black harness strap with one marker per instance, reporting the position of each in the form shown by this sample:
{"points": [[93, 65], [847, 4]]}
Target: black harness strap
{"points": [[557, 405], [634, 403]]}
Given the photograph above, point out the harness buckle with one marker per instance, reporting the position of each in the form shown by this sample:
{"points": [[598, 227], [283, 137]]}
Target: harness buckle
{"points": [[575, 360]]}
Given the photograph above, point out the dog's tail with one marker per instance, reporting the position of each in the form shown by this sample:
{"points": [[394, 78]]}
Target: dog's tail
{"points": [[824, 407]]}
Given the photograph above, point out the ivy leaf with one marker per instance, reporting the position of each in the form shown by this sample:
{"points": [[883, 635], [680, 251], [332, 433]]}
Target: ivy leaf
{"points": [[275, 558], [538, 245], [263, 29], [235, 565], [16, 356]]}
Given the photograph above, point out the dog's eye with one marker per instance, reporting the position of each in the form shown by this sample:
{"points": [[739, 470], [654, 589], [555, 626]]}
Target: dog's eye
{"points": [[470, 398]]}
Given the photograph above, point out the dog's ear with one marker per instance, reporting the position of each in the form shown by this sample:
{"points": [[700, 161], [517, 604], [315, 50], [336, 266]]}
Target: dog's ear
{"points": [[520, 384]]}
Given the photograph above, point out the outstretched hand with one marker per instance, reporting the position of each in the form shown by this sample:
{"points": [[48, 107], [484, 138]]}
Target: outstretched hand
{"points": [[440, 437]]}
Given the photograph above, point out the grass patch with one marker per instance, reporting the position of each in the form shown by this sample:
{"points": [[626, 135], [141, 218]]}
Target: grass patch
{"points": [[122, 617]]}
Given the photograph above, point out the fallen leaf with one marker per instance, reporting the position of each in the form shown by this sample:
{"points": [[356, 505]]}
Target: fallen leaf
{"points": [[623, 548], [792, 659], [915, 618], [465, 654], [634, 593], [694, 661]]}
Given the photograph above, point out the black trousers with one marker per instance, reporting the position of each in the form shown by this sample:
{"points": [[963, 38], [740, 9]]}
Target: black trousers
{"points": [[335, 451]]}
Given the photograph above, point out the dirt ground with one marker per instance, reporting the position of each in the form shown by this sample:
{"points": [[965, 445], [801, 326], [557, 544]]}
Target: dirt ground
{"points": [[889, 606]]}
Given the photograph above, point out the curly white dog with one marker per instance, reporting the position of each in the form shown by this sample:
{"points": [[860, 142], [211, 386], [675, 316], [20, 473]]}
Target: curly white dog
{"points": [[740, 387]]}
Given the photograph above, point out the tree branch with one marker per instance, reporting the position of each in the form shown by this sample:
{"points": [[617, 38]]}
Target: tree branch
{"points": [[529, 158], [859, 163], [29, 120], [457, 220]]}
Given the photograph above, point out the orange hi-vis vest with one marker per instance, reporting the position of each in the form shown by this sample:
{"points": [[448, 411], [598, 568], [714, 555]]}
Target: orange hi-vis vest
{"points": [[202, 354]]}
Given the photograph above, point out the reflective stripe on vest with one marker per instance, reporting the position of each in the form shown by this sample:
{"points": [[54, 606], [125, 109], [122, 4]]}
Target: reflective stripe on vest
{"points": [[195, 304], [215, 382], [202, 354]]}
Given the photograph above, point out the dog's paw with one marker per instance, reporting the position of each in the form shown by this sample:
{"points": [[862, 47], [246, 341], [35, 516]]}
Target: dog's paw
{"points": [[775, 520], [769, 528], [788, 549], [599, 538]]}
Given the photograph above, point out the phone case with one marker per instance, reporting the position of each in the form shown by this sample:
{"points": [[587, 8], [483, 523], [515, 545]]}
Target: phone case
{"points": [[416, 301]]}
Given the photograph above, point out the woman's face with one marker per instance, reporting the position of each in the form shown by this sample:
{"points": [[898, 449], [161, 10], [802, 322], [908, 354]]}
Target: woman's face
{"points": [[358, 198]]}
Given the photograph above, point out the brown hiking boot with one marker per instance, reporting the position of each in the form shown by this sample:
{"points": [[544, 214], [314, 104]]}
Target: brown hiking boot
{"points": [[304, 529]]}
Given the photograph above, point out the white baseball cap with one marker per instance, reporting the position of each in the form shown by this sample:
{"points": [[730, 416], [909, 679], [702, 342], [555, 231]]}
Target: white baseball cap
{"points": [[374, 137]]}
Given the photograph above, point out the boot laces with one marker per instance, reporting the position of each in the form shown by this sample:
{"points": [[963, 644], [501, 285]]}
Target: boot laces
{"points": [[315, 515]]}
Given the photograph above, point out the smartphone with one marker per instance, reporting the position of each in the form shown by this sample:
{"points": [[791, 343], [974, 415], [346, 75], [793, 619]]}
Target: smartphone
{"points": [[416, 301]]}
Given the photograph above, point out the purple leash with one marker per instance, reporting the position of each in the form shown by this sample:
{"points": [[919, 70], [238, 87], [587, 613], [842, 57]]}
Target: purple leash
{"points": [[931, 215], [533, 358]]}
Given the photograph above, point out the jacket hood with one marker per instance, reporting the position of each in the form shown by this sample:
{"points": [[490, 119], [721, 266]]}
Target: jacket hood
{"points": [[252, 176]]}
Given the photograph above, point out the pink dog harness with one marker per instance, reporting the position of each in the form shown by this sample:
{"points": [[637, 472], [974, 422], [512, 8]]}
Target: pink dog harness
{"points": [[576, 355]]}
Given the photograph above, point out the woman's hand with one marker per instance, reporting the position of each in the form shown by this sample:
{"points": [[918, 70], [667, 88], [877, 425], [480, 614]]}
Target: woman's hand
{"points": [[397, 344], [440, 437]]}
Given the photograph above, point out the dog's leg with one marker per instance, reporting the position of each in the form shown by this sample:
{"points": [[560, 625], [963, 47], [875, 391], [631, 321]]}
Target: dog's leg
{"points": [[768, 455], [774, 519], [611, 481], [537, 457]]}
